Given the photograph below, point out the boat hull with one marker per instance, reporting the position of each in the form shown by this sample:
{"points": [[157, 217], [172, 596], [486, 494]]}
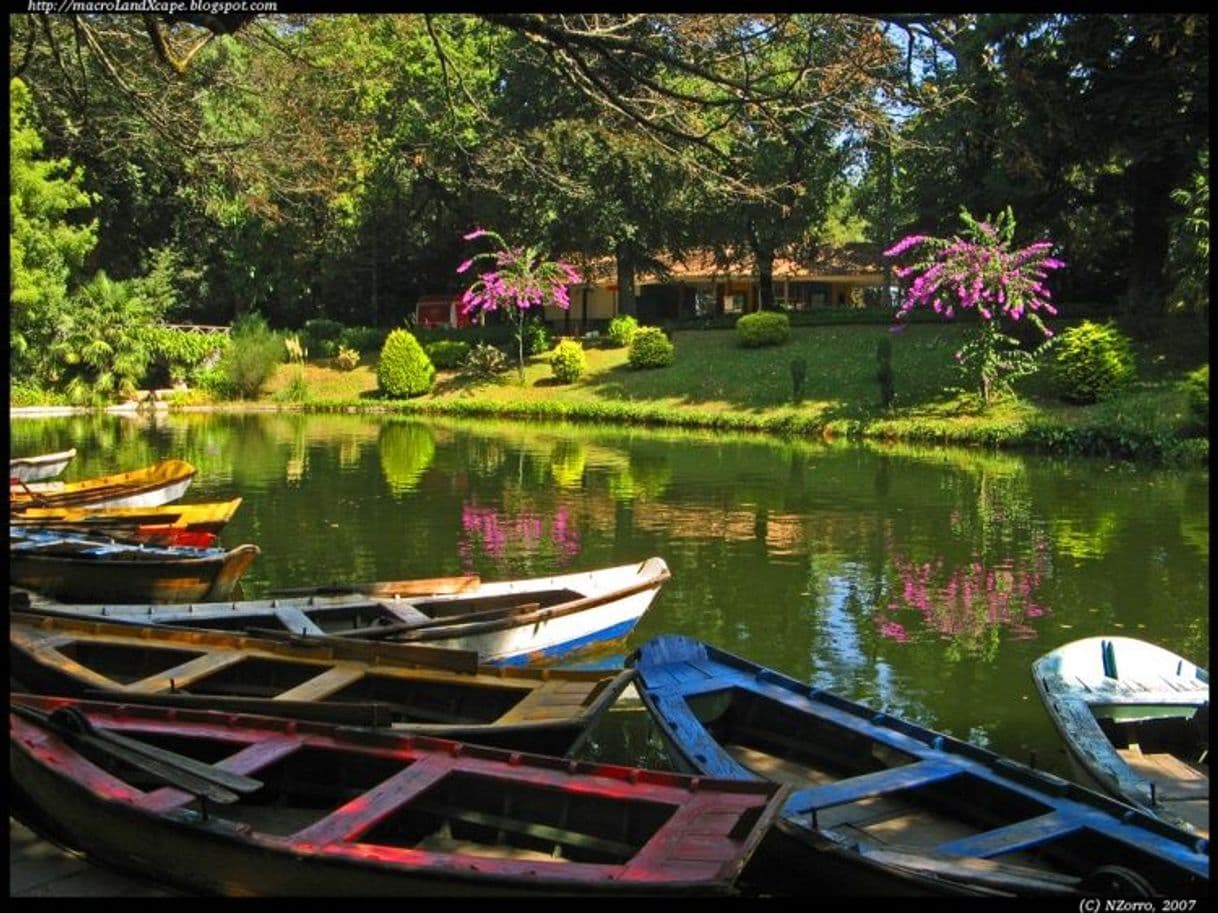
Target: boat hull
{"points": [[37, 468], [392, 836], [893, 807], [506, 623], [148, 487]]}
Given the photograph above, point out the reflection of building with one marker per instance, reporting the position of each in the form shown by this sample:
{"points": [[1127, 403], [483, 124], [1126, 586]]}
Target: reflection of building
{"points": [[700, 286]]}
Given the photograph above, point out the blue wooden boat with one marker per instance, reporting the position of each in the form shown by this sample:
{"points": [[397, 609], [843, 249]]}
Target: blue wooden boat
{"points": [[882, 805]]}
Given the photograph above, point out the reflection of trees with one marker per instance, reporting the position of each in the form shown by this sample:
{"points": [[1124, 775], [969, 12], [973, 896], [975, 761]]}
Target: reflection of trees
{"points": [[406, 450]]}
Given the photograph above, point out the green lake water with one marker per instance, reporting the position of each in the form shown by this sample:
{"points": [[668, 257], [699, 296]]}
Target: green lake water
{"points": [[923, 581]]}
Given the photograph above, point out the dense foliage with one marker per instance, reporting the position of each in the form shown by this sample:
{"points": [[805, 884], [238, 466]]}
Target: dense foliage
{"points": [[447, 354], [1197, 392], [650, 348], [621, 330], [404, 368], [763, 328], [568, 361], [1092, 361], [253, 352]]}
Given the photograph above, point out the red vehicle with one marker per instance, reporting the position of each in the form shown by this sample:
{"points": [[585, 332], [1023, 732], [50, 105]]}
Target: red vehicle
{"points": [[440, 311]]}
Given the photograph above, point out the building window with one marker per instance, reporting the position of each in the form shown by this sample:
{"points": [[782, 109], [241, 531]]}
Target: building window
{"points": [[734, 302]]}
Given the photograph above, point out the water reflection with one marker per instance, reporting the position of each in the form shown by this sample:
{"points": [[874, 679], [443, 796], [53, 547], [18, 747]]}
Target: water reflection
{"points": [[922, 580]]}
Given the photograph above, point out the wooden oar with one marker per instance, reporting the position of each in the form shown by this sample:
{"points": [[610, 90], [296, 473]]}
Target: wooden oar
{"points": [[434, 586], [34, 496], [174, 769]]}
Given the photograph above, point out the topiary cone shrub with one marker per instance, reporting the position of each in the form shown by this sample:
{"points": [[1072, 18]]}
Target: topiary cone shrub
{"points": [[1091, 361], [404, 368]]}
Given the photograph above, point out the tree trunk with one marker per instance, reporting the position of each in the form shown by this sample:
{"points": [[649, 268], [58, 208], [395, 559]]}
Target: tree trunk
{"points": [[763, 256], [1150, 184], [625, 279]]}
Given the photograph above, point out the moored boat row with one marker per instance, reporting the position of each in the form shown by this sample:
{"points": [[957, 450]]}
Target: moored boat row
{"points": [[397, 737]]}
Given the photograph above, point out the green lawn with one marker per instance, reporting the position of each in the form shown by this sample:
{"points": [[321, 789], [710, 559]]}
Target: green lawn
{"points": [[716, 383]]}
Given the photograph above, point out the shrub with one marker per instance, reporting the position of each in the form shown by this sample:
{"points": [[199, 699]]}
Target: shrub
{"points": [[1197, 392], [346, 359], [404, 368], [447, 354], [484, 362], [650, 348], [180, 354], [621, 330], [1091, 361], [363, 339], [252, 354], [536, 338], [568, 361], [321, 336], [763, 328]]}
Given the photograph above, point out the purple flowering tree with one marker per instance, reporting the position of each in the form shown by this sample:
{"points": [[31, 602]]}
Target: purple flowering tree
{"points": [[517, 279], [982, 272]]}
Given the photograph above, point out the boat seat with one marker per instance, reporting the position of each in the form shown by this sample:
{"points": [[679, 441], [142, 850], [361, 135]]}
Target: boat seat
{"points": [[891, 780], [1013, 837]]}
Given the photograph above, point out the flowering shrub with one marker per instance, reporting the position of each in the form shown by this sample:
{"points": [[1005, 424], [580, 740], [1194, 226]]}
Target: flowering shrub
{"points": [[521, 279], [982, 272]]}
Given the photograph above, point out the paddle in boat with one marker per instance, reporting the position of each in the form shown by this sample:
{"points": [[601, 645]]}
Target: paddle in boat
{"points": [[176, 524], [508, 622], [73, 566], [883, 805], [37, 468], [241, 805], [427, 690], [1135, 719], [151, 486]]}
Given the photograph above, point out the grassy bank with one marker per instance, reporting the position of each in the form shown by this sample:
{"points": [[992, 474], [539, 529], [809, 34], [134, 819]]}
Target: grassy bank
{"points": [[714, 383]]}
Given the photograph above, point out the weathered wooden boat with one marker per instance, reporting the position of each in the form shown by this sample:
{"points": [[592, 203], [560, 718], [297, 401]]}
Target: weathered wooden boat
{"points": [[36, 468], [428, 690], [241, 804], [148, 487], [76, 566], [883, 805], [511, 622], [1135, 718], [175, 524]]}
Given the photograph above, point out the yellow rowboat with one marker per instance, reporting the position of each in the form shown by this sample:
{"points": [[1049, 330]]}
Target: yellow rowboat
{"points": [[145, 524], [151, 486]]}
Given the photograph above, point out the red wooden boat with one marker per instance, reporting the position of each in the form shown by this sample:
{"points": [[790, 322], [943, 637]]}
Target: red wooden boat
{"points": [[238, 805]]}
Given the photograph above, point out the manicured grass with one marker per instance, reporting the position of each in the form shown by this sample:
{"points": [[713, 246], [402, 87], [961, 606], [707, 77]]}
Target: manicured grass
{"points": [[716, 383]]}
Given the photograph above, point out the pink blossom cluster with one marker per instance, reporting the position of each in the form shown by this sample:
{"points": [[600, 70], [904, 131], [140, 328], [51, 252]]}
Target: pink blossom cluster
{"points": [[969, 600], [983, 274], [485, 529], [521, 279]]}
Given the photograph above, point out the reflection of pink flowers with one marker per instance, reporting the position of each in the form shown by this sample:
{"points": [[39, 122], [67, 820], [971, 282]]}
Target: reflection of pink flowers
{"points": [[965, 601], [484, 529]]}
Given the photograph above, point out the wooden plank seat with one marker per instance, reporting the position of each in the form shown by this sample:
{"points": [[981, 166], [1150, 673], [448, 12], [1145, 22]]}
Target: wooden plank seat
{"points": [[1012, 837], [908, 776]]}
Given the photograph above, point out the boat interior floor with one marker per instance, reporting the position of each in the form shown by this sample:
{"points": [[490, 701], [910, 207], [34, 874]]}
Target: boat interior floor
{"points": [[1180, 787]]}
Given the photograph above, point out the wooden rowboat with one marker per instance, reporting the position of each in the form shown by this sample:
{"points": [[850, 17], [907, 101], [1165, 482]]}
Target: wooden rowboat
{"points": [[427, 690], [151, 486], [35, 468], [884, 805], [1135, 718], [512, 622], [70, 566], [241, 805], [175, 524]]}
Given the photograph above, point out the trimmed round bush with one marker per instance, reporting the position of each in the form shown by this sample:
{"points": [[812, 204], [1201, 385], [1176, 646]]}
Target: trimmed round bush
{"points": [[1091, 361], [447, 354], [1197, 390], [621, 330], [568, 361], [650, 348], [763, 328], [404, 368]]}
